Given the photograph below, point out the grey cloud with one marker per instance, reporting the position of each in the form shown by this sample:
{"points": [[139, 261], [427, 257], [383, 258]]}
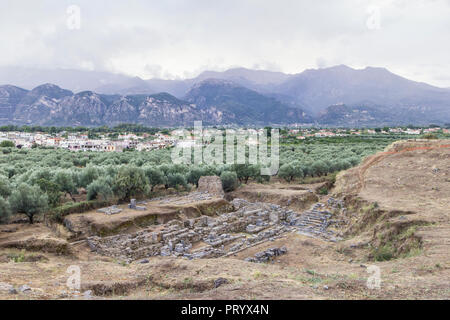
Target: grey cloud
{"points": [[181, 38]]}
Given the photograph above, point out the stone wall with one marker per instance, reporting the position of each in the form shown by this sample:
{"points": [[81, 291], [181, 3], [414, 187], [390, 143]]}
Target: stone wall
{"points": [[215, 236], [211, 184]]}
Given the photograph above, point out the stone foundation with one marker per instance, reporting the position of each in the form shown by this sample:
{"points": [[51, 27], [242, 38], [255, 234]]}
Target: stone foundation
{"points": [[210, 237]]}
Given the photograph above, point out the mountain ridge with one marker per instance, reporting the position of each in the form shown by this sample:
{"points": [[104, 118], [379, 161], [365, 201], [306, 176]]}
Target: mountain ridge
{"points": [[49, 104], [302, 96]]}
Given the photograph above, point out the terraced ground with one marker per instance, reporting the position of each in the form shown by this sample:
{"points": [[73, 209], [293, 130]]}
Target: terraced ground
{"points": [[392, 212]]}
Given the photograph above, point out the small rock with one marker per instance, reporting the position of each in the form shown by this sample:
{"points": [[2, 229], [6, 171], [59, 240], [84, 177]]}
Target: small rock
{"points": [[220, 281], [87, 294], [24, 288], [144, 261], [325, 288], [12, 290], [165, 251], [179, 248]]}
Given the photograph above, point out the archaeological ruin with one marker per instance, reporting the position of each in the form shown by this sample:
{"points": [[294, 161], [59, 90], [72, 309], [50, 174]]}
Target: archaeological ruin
{"points": [[218, 234]]}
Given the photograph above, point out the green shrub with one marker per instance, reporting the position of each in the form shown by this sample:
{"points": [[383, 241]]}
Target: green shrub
{"points": [[229, 180], [7, 144], [429, 136], [383, 253], [17, 257]]}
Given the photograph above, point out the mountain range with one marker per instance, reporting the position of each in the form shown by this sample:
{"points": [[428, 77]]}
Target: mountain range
{"points": [[338, 96]]}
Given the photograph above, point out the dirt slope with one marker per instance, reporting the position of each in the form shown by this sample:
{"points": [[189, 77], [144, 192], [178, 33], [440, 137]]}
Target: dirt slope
{"points": [[399, 200]]}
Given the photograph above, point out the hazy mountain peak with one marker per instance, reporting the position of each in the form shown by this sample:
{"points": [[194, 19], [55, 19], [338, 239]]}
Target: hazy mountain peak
{"points": [[11, 87], [377, 68], [247, 77], [340, 67], [214, 82], [50, 89], [85, 93], [47, 86]]}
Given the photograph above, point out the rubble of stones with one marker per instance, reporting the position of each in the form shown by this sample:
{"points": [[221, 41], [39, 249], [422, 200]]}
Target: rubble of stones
{"points": [[268, 255], [337, 205], [211, 237], [110, 210]]}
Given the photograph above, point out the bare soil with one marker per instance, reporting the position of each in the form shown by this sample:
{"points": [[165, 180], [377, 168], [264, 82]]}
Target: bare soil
{"points": [[294, 196]]}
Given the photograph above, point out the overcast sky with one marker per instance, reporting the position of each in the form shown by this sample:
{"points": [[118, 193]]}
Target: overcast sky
{"points": [[181, 38]]}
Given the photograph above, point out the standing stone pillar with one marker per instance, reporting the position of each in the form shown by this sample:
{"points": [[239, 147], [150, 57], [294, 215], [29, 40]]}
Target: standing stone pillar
{"points": [[132, 204]]}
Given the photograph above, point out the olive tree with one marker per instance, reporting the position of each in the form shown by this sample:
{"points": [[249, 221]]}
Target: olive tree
{"points": [[319, 168], [194, 175], [155, 176], [246, 171], [28, 200], [40, 173], [5, 210], [88, 175], [52, 191], [5, 188], [130, 181], [286, 172], [175, 180], [100, 189], [64, 180]]}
